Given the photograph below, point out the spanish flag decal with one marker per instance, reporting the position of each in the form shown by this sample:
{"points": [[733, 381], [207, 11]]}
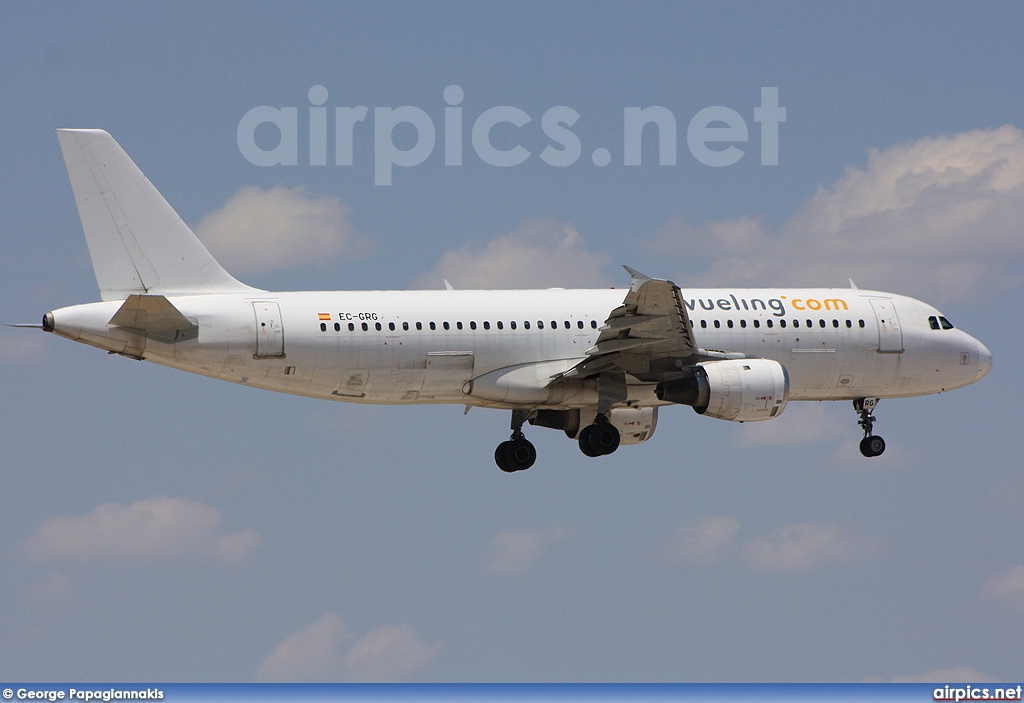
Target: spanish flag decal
{"points": [[325, 316]]}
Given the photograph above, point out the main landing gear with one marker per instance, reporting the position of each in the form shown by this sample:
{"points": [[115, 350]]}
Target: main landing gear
{"points": [[871, 445], [518, 453], [600, 438]]}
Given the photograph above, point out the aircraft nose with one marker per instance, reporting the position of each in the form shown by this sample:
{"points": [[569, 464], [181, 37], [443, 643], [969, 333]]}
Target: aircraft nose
{"points": [[984, 361]]}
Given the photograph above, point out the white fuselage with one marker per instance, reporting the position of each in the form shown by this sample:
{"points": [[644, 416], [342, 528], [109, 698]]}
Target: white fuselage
{"points": [[406, 347]]}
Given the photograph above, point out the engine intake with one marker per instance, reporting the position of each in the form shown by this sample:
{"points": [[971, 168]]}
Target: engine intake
{"points": [[741, 390]]}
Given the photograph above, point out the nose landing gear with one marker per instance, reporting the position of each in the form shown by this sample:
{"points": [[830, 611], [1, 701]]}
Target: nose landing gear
{"points": [[871, 445]]}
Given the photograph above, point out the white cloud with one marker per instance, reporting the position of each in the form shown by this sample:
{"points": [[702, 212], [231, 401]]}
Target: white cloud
{"points": [[703, 540], [937, 216], [311, 654], [1008, 587], [537, 254], [800, 423], [388, 654], [961, 674], [262, 230], [515, 552], [315, 653], [158, 528], [800, 547]]}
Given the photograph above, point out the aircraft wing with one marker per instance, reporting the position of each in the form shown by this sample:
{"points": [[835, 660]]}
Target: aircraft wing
{"points": [[649, 336]]}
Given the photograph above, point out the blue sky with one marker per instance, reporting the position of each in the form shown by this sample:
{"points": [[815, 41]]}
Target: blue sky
{"points": [[314, 541]]}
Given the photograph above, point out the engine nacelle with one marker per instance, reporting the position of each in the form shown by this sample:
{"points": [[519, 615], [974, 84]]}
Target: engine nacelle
{"points": [[635, 425], [742, 390]]}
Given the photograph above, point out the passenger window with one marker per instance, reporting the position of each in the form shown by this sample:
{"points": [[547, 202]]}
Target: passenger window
{"points": [[729, 323], [446, 325], [821, 323], [458, 325], [501, 325], [567, 325], [835, 323], [433, 326], [579, 323], [419, 325], [593, 324], [405, 326], [526, 324], [769, 323], [782, 324], [337, 327], [554, 324], [512, 324], [809, 324], [704, 324], [757, 324], [472, 325], [849, 324], [487, 325], [717, 324], [365, 327], [946, 324], [862, 324], [351, 327], [743, 323], [323, 326], [933, 322], [540, 324], [391, 326]]}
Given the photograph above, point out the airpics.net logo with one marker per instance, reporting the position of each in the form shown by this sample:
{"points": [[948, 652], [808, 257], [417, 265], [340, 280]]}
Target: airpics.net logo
{"points": [[712, 134]]}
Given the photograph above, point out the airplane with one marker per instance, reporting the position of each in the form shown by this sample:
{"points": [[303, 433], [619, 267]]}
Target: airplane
{"points": [[596, 364]]}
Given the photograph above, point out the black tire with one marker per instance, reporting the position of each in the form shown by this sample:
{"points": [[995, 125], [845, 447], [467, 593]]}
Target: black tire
{"points": [[585, 445], [520, 454], [604, 438], [499, 458], [872, 446]]}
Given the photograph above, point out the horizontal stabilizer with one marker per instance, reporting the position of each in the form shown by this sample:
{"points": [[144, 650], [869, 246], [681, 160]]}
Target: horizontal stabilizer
{"points": [[155, 316]]}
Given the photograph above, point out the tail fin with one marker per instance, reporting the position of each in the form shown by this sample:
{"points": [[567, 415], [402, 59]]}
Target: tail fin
{"points": [[137, 242]]}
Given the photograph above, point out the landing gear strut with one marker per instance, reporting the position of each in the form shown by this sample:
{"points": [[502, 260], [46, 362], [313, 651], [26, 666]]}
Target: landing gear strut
{"points": [[871, 445], [600, 438], [518, 453]]}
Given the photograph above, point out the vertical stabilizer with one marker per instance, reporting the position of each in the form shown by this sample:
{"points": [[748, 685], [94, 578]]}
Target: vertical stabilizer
{"points": [[137, 242]]}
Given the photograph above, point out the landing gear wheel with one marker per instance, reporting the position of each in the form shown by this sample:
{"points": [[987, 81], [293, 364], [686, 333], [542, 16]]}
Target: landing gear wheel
{"points": [[599, 439], [519, 454], [872, 446], [604, 438], [585, 446], [499, 458]]}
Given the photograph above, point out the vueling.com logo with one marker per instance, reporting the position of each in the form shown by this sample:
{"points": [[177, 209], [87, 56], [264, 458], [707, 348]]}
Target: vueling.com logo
{"points": [[711, 135]]}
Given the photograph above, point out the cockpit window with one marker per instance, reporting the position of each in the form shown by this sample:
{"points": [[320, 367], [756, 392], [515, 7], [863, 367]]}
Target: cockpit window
{"points": [[946, 324], [933, 322]]}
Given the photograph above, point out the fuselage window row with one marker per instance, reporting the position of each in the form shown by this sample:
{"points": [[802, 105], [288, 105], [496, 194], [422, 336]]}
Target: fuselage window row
{"points": [[717, 324], [458, 325], [934, 322]]}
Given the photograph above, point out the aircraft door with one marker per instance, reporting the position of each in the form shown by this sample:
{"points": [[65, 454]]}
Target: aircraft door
{"points": [[890, 334], [269, 331]]}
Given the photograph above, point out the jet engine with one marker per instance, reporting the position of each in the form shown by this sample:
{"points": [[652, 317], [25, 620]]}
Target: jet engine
{"points": [[742, 390]]}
